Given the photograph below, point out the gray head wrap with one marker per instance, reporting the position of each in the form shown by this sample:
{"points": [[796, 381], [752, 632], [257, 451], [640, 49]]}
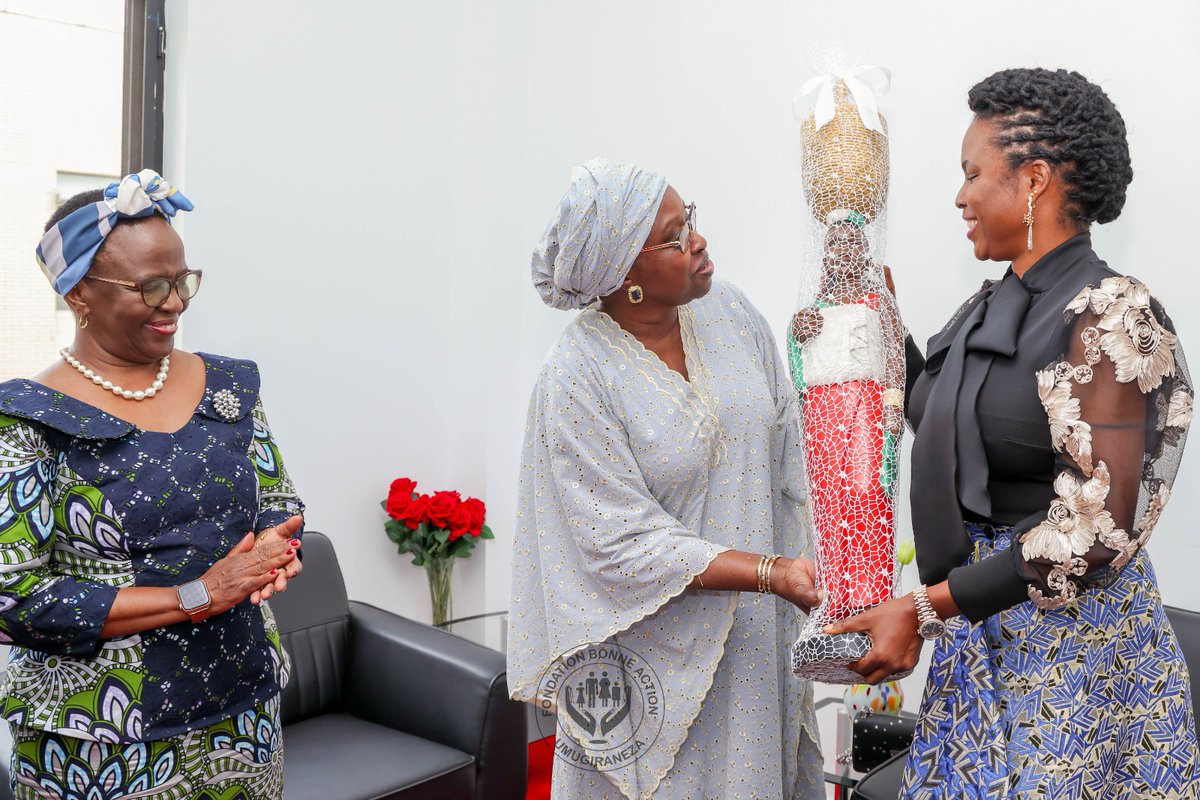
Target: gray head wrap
{"points": [[598, 230]]}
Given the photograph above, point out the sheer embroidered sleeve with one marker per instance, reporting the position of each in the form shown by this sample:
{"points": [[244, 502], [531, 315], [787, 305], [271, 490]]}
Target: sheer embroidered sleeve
{"points": [[1119, 402]]}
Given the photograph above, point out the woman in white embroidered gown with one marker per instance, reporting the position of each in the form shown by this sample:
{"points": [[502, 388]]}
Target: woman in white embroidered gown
{"points": [[661, 470]]}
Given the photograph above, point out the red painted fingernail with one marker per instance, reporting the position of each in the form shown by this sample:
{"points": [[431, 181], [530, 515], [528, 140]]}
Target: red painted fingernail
{"points": [[295, 543], [289, 552], [274, 571]]}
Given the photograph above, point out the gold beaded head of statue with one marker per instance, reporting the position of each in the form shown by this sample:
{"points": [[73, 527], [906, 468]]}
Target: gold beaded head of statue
{"points": [[845, 162]]}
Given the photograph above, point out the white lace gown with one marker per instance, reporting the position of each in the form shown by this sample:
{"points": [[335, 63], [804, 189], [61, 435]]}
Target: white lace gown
{"points": [[633, 480]]}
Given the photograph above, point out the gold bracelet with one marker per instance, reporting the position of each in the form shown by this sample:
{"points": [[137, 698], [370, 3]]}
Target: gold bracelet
{"points": [[770, 566], [758, 574], [764, 573]]}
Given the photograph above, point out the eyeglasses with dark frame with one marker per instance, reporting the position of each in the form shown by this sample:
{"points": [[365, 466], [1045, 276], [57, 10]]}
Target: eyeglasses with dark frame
{"points": [[156, 291], [685, 233]]}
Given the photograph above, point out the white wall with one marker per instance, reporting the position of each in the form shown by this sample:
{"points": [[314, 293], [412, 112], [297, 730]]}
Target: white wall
{"points": [[371, 176]]}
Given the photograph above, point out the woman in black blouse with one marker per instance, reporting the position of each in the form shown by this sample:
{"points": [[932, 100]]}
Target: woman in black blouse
{"points": [[1050, 416]]}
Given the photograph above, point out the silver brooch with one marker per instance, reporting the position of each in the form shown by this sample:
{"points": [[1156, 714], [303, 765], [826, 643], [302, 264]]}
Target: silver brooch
{"points": [[226, 404]]}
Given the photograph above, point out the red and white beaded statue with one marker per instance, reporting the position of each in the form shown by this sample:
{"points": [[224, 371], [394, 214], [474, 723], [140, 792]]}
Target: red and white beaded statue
{"points": [[846, 352]]}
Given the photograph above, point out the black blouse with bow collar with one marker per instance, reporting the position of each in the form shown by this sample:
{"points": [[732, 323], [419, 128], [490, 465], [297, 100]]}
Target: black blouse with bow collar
{"points": [[983, 450]]}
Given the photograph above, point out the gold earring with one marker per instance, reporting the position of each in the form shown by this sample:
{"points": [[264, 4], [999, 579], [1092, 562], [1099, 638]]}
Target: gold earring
{"points": [[1028, 220], [83, 321], [635, 294]]}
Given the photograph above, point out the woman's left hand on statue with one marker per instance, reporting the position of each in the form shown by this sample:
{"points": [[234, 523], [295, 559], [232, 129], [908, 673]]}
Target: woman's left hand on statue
{"points": [[795, 580], [895, 643]]}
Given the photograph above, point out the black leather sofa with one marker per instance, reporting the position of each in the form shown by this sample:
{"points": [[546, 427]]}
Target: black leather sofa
{"points": [[380, 706], [883, 782]]}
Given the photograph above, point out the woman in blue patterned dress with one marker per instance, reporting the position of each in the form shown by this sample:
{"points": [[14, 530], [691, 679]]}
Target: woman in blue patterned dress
{"points": [[1050, 417], [143, 659]]}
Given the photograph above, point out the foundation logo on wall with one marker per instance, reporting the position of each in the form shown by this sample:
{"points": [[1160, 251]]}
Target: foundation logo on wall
{"points": [[603, 705]]}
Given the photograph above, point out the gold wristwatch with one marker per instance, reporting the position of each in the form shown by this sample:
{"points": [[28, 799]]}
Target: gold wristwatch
{"points": [[194, 598]]}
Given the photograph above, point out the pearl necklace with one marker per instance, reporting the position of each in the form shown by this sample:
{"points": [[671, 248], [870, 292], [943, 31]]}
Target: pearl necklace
{"points": [[141, 394]]}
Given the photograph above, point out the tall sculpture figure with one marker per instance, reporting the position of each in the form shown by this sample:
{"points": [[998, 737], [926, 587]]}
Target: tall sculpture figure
{"points": [[846, 352]]}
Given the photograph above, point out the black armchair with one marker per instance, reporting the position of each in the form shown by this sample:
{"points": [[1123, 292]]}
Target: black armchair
{"points": [[883, 782], [380, 706]]}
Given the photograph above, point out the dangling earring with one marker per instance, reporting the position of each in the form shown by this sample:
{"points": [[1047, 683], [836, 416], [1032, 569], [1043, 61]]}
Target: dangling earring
{"points": [[635, 294], [1029, 223], [83, 321]]}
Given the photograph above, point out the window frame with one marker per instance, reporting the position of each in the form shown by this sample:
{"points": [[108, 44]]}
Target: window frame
{"points": [[145, 56]]}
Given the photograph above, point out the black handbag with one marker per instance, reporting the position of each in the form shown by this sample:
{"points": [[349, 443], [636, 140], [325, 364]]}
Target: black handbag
{"points": [[878, 737]]}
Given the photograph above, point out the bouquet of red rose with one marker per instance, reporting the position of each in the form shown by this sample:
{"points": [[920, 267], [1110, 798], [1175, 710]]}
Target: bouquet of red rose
{"points": [[435, 528], [438, 525]]}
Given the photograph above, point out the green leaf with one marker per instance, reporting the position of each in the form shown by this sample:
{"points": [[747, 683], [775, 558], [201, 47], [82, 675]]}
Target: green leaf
{"points": [[486, 533], [442, 535], [462, 548], [419, 561]]}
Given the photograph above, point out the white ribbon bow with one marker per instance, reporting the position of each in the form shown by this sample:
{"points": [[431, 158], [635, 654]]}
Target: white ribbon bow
{"points": [[865, 82]]}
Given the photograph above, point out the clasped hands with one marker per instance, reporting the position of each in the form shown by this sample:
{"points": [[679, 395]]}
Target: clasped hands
{"points": [[283, 532], [256, 568]]}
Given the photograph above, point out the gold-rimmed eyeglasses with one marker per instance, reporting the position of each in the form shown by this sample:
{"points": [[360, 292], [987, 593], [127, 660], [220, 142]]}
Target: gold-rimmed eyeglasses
{"points": [[685, 233], [156, 291]]}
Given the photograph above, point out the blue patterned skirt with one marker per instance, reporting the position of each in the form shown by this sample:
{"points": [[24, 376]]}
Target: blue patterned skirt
{"points": [[240, 758], [1092, 701]]}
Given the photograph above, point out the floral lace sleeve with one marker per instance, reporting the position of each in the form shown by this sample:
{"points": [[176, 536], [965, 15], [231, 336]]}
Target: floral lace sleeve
{"points": [[1119, 403]]}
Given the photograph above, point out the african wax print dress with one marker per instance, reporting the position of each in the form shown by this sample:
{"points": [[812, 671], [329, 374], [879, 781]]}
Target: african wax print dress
{"points": [[89, 504]]}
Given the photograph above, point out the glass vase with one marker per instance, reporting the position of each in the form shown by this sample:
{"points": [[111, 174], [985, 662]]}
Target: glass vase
{"points": [[438, 571]]}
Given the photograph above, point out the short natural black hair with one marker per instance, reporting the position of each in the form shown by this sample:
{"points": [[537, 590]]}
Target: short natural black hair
{"points": [[1067, 120], [72, 204]]}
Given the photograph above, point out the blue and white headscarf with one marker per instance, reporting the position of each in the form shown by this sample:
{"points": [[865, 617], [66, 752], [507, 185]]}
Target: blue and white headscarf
{"points": [[66, 251], [599, 228]]}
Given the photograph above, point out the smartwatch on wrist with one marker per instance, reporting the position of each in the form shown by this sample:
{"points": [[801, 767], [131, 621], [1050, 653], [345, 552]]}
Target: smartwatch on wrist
{"points": [[928, 624], [194, 598]]}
